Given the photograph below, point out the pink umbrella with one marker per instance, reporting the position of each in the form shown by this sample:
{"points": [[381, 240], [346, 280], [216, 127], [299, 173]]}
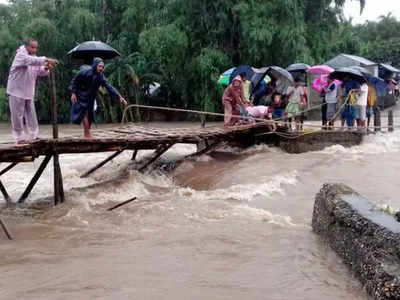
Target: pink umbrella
{"points": [[320, 70], [321, 82]]}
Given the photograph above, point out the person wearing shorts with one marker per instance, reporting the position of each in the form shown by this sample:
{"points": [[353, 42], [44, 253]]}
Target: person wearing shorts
{"points": [[348, 112], [295, 96]]}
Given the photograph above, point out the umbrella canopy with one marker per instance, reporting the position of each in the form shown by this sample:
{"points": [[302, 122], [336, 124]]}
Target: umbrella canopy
{"points": [[321, 82], [277, 73], [224, 79], [320, 70], [363, 71], [242, 69], [154, 87], [258, 76], [348, 73], [298, 68], [228, 72], [90, 49], [281, 74]]}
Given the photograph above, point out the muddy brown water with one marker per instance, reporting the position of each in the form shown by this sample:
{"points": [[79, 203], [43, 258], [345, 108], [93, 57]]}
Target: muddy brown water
{"points": [[229, 225]]}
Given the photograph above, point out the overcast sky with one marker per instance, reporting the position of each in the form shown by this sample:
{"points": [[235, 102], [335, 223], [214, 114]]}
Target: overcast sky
{"points": [[372, 11]]}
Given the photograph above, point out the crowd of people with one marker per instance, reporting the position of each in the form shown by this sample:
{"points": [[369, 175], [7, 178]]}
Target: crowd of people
{"points": [[351, 101], [356, 99], [269, 102]]}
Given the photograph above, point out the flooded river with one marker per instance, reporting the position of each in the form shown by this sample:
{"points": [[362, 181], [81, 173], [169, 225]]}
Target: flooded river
{"points": [[230, 225]]}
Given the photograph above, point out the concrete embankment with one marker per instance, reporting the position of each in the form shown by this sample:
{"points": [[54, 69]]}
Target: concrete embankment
{"points": [[367, 239]]}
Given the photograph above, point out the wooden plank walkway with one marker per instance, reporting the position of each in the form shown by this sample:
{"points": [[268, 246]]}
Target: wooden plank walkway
{"points": [[128, 137]]}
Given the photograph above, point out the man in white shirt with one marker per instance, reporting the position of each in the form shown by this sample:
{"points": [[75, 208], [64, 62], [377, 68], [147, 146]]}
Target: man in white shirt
{"points": [[361, 105], [331, 93]]}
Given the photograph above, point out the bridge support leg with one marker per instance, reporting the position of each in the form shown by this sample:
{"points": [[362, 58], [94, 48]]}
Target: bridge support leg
{"points": [[59, 196], [160, 151], [5, 170], [8, 234], [5, 194], [98, 166], [35, 179], [208, 147], [134, 154]]}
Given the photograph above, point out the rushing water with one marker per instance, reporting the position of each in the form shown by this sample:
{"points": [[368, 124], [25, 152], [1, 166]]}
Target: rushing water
{"points": [[230, 225]]}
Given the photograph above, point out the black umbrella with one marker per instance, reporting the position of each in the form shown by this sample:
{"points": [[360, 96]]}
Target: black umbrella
{"points": [[347, 73], [242, 69], [298, 68], [281, 74], [363, 71], [90, 49]]}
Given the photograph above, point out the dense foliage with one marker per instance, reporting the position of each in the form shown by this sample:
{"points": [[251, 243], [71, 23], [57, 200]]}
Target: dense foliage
{"points": [[183, 44]]}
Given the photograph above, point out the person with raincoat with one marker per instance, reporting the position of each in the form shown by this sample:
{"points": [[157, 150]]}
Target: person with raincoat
{"points": [[232, 100], [25, 68], [84, 87]]}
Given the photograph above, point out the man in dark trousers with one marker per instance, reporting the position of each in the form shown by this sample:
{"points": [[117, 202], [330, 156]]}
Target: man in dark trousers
{"points": [[84, 88]]}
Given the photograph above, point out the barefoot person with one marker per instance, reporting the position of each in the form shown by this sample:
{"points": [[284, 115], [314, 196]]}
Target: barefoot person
{"points": [[21, 84], [233, 100], [84, 88]]}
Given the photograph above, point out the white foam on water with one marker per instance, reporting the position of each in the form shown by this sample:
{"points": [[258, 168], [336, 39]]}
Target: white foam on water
{"points": [[261, 148], [247, 192], [243, 192], [372, 144], [245, 211]]}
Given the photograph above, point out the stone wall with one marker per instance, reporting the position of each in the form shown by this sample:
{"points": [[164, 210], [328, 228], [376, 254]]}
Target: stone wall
{"points": [[319, 140], [368, 240]]}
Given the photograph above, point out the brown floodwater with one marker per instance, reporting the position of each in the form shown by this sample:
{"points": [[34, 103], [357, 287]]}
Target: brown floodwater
{"points": [[229, 225]]}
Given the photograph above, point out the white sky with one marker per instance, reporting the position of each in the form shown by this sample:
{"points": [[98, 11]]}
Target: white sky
{"points": [[373, 9]]}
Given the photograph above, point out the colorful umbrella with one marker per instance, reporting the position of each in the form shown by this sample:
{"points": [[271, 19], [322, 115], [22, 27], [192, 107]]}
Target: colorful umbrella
{"points": [[224, 79], [321, 82], [320, 70]]}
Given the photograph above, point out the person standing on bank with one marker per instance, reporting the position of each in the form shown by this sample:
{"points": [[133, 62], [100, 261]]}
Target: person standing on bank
{"points": [[331, 94], [84, 88], [25, 68]]}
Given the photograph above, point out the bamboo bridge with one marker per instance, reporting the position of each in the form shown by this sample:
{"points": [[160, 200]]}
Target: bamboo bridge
{"points": [[124, 138]]}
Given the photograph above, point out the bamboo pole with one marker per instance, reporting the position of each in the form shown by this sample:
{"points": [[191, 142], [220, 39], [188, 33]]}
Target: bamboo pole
{"points": [[121, 204], [5, 194], [35, 178], [134, 154], [5, 170], [56, 179], [54, 105], [98, 166], [206, 149], [58, 182], [6, 231], [160, 151]]}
